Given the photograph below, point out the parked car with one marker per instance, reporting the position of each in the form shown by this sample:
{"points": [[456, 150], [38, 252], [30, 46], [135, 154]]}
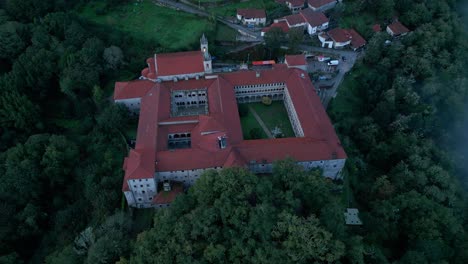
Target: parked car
{"points": [[333, 62], [343, 58]]}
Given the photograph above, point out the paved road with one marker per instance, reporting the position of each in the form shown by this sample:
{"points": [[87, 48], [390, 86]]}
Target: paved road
{"points": [[260, 121], [343, 67], [249, 35]]}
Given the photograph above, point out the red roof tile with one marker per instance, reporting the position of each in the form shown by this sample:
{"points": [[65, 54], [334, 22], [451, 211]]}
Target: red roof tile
{"points": [[151, 153], [339, 35], [357, 40], [168, 64], [251, 13], [319, 3], [314, 18], [376, 28], [281, 25], [397, 28], [295, 60], [294, 19], [133, 89]]}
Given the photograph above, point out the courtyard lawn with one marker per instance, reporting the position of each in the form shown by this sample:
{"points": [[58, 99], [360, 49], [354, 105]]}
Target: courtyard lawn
{"points": [[171, 29], [248, 122], [274, 115]]}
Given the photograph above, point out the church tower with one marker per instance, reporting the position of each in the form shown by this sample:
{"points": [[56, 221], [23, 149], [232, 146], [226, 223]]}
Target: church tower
{"points": [[206, 54]]}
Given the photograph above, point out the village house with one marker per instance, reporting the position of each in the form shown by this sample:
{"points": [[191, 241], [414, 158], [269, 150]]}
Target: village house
{"points": [[295, 5], [321, 5], [251, 16], [339, 38], [397, 29], [189, 124], [308, 20], [296, 61]]}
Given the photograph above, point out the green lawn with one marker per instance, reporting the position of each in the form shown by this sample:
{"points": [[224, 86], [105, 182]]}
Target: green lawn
{"points": [[231, 9], [225, 33], [173, 30], [248, 123], [347, 100], [274, 115]]}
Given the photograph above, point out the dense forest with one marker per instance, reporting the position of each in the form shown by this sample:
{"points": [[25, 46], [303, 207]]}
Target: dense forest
{"points": [[62, 144]]}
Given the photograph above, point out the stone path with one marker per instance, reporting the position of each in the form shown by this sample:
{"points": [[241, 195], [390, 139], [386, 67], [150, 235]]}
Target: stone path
{"points": [[260, 121]]}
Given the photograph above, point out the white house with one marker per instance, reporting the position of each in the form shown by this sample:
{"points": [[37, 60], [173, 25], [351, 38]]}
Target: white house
{"points": [[295, 5], [316, 21], [311, 21], [251, 16], [339, 38]]}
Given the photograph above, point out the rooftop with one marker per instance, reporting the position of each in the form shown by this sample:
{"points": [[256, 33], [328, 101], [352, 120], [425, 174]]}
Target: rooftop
{"points": [[295, 60], [281, 25], [294, 19], [339, 35], [168, 64], [251, 13], [357, 40], [314, 18], [319, 3], [397, 28]]}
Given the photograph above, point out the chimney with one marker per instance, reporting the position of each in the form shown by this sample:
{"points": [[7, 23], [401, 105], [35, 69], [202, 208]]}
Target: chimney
{"points": [[257, 74]]}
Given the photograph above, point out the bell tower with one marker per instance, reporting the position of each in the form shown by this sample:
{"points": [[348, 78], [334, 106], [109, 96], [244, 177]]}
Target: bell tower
{"points": [[206, 54]]}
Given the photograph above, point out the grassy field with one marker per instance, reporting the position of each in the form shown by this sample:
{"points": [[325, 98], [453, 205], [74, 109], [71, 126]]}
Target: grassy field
{"points": [[171, 29], [347, 99], [274, 115], [248, 123], [231, 9]]}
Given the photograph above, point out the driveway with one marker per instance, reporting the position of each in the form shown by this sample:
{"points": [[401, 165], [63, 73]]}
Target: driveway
{"points": [[345, 66]]}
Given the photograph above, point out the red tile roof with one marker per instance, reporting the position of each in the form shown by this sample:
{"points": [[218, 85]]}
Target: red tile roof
{"points": [[357, 40], [319, 3], [281, 25], [295, 60], [397, 28], [152, 155], [168, 64], [133, 89], [376, 28], [251, 13], [295, 19], [339, 35], [314, 18], [296, 3]]}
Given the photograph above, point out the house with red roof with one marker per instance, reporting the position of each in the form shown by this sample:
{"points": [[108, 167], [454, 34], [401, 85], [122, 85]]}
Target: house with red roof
{"points": [[295, 5], [309, 20], [397, 29], [316, 21], [189, 125], [250, 16], [282, 25], [339, 38], [321, 5], [376, 28], [296, 61]]}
